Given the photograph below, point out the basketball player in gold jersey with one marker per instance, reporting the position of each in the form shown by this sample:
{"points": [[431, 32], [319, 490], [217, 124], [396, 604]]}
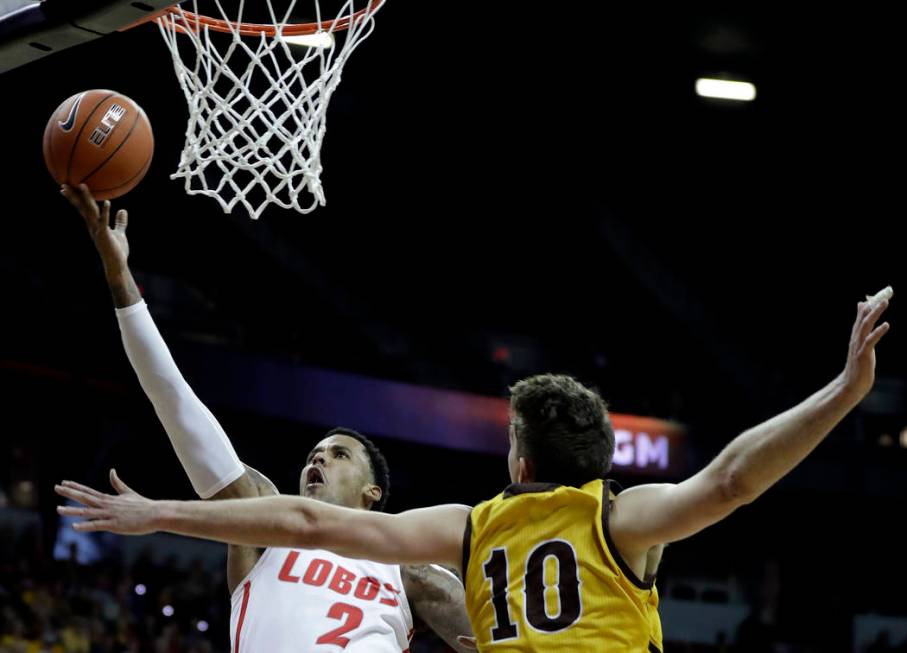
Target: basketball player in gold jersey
{"points": [[555, 562]]}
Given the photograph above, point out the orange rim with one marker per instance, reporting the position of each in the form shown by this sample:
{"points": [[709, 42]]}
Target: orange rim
{"points": [[186, 21]]}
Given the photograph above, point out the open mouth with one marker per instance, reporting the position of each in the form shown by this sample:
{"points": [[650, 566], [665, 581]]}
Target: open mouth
{"points": [[314, 478]]}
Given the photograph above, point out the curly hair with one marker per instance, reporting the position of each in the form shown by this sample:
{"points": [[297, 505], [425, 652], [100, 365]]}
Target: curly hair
{"points": [[563, 428]]}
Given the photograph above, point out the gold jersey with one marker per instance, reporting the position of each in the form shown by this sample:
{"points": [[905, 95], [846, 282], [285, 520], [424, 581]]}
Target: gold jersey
{"points": [[542, 574]]}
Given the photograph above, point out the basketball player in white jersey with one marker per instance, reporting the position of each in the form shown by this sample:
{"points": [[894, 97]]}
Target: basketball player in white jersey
{"points": [[283, 600]]}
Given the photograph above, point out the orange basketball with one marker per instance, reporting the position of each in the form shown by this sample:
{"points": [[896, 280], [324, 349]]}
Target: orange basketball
{"points": [[99, 138]]}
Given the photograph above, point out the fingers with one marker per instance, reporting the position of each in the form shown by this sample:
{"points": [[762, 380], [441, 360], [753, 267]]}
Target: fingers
{"points": [[861, 313], [105, 213], [95, 525], [96, 519], [84, 488], [872, 312], [94, 508], [77, 495], [885, 293], [80, 197], [74, 196], [87, 206], [81, 511], [876, 335], [71, 196], [118, 484], [866, 334], [85, 196], [467, 642], [122, 220]]}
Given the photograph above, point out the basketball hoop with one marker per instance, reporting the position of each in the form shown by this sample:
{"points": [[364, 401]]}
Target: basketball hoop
{"points": [[258, 102]]}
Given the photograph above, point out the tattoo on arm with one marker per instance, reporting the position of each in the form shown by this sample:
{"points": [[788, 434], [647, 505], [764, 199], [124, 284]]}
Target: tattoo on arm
{"points": [[438, 598]]}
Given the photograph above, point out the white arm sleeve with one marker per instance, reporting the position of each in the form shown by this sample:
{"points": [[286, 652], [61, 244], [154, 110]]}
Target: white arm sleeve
{"points": [[198, 439]]}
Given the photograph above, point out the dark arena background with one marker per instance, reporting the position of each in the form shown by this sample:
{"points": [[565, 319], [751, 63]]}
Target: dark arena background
{"points": [[511, 189]]}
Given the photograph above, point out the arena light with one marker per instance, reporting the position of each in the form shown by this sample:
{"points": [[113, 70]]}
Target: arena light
{"points": [[140, 589], [167, 611], [725, 89], [316, 40], [202, 626]]}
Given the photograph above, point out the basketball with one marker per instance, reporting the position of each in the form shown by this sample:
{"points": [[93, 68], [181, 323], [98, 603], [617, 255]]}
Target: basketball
{"points": [[99, 138]]}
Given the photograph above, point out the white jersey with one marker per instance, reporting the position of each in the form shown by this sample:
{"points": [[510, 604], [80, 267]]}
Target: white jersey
{"points": [[313, 601]]}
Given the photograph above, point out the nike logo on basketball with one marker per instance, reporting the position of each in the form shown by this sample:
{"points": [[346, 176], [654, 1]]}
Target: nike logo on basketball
{"points": [[67, 124]]}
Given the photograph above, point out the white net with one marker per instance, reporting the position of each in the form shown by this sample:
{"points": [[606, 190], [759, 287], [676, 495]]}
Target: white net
{"points": [[258, 105]]}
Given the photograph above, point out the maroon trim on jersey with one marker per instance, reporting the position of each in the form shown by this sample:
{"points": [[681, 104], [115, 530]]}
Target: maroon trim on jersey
{"points": [[242, 613], [467, 539], [528, 488], [624, 567]]}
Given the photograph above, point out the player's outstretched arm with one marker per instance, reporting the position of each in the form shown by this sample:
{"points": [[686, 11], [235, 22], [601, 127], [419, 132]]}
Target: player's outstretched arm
{"points": [[653, 514], [415, 537], [198, 439]]}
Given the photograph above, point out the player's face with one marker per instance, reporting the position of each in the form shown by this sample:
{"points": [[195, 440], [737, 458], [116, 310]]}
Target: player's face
{"points": [[337, 471]]}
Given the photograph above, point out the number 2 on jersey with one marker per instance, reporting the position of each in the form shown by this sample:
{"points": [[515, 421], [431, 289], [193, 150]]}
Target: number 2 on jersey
{"points": [[353, 617]]}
